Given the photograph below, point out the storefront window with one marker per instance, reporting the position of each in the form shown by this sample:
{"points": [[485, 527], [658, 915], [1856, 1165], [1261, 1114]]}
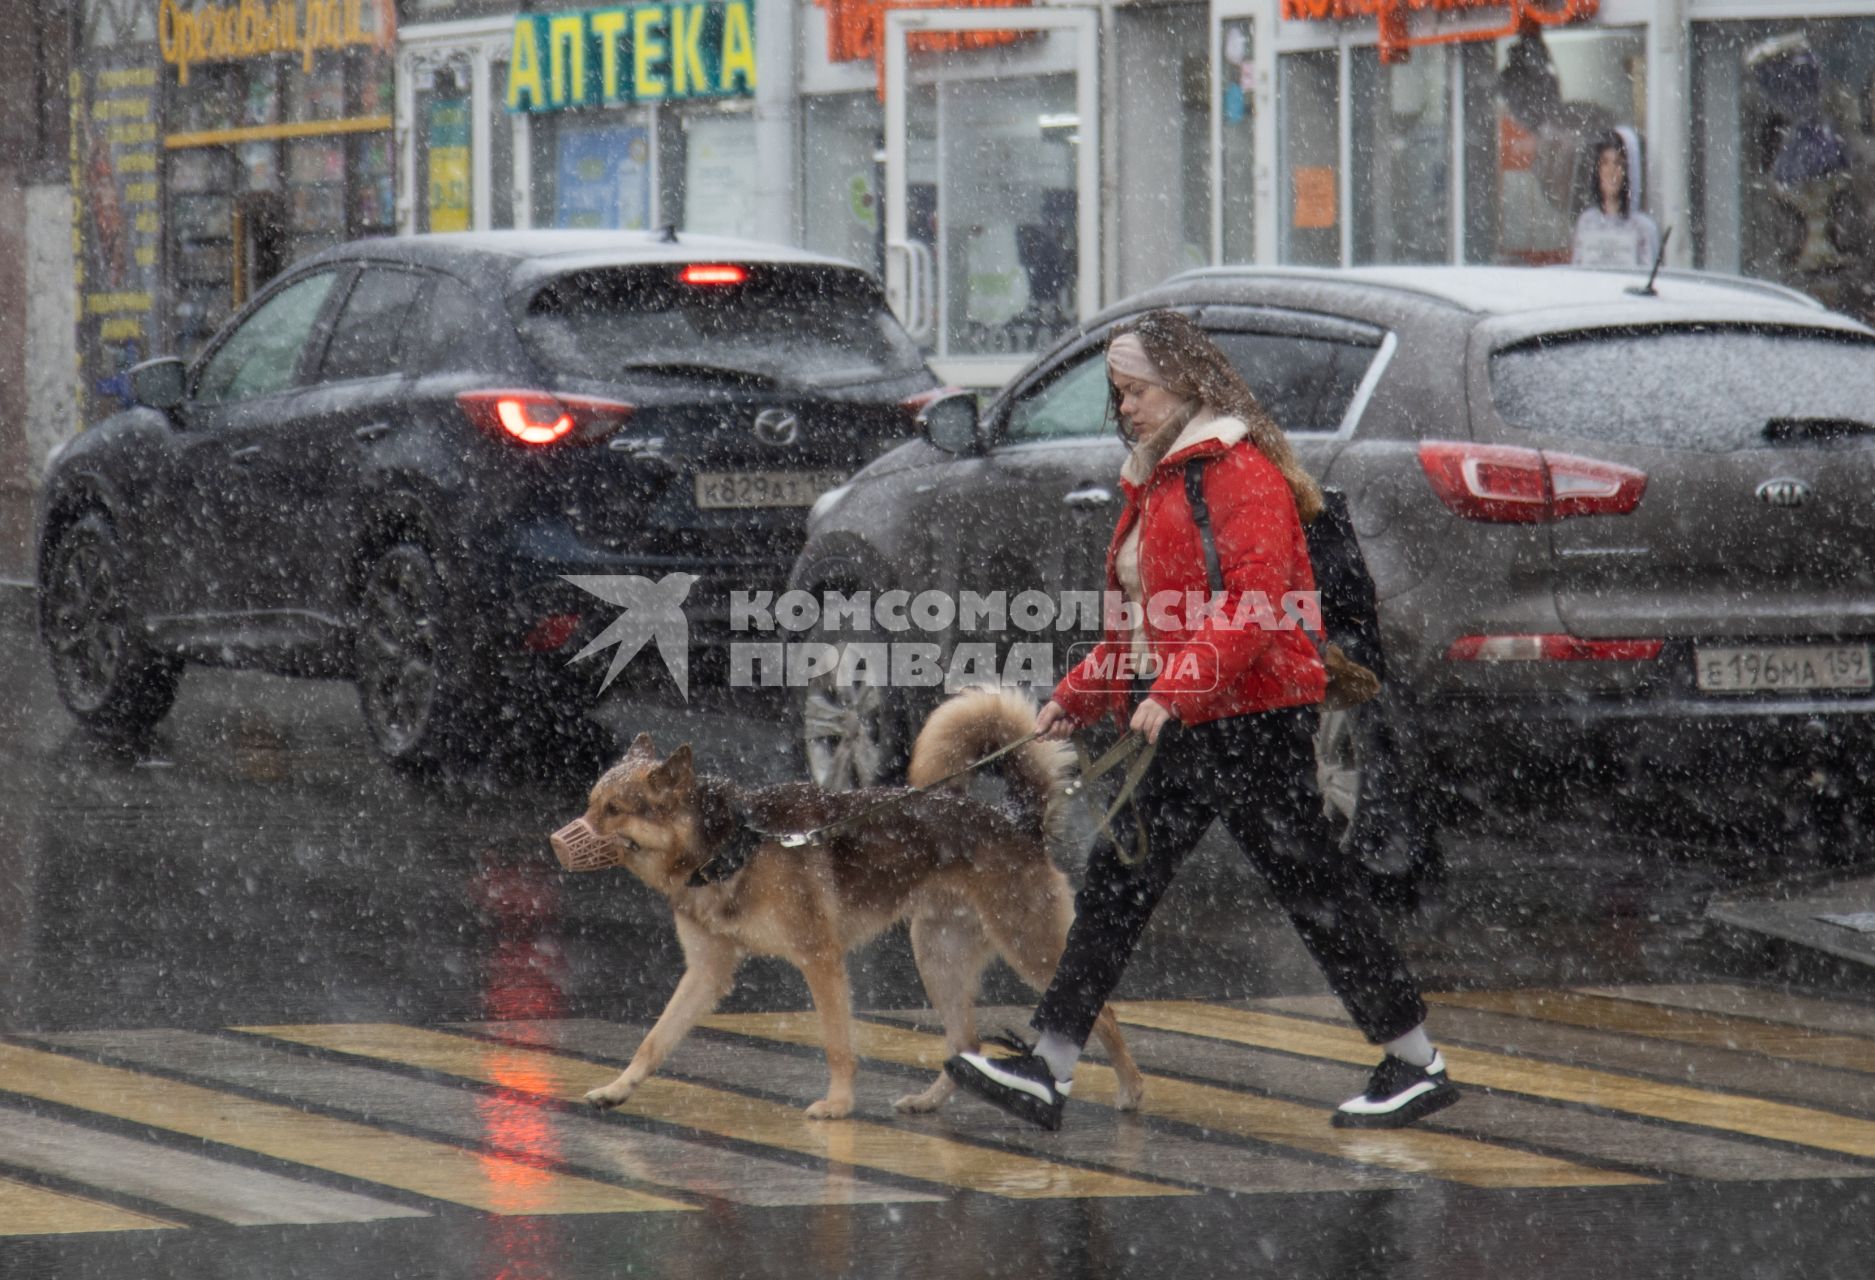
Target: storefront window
{"points": [[1237, 174], [991, 170], [1401, 161], [842, 179], [1784, 154], [1308, 100], [269, 161], [1534, 108], [593, 169], [719, 174]]}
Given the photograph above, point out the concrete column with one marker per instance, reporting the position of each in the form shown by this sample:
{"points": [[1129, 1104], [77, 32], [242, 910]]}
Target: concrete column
{"points": [[778, 119], [1670, 126]]}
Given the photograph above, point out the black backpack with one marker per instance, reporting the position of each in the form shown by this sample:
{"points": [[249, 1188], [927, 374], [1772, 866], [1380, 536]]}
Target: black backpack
{"points": [[1350, 614]]}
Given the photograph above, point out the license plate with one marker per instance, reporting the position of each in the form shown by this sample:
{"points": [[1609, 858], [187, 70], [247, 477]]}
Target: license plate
{"points": [[1781, 667], [739, 489]]}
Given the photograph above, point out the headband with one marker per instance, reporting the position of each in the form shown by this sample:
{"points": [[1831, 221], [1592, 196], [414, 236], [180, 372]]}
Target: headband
{"points": [[1126, 357]]}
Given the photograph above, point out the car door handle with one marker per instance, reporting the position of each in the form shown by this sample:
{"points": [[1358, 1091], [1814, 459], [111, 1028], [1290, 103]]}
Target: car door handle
{"points": [[247, 455], [372, 431], [1088, 497]]}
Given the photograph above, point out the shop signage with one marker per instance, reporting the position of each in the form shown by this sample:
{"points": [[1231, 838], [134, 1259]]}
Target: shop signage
{"points": [[1393, 16], [234, 32], [632, 53], [855, 28], [1543, 11]]}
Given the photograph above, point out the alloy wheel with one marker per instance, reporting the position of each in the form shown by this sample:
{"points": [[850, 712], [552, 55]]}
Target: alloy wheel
{"points": [[397, 648], [87, 623], [846, 731]]}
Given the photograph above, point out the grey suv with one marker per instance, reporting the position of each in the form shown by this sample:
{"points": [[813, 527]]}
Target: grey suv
{"points": [[1593, 510]]}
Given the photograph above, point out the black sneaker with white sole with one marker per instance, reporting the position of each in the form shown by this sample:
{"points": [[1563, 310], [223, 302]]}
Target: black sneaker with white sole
{"points": [[1398, 1093], [1023, 1085]]}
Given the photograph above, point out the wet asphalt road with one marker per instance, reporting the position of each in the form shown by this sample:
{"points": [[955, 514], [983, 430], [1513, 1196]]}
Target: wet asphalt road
{"points": [[258, 868]]}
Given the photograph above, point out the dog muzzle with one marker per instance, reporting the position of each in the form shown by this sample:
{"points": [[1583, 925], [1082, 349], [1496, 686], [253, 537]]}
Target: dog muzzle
{"points": [[580, 848]]}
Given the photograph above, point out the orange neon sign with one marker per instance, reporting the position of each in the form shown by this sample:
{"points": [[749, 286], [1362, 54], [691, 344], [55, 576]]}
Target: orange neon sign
{"points": [[856, 28], [1394, 17]]}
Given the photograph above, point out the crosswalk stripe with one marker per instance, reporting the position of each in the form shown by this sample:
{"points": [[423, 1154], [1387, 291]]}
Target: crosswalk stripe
{"points": [[1095, 1136], [1683, 1026], [179, 1180], [490, 1183], [1679, 1104], [35, 1211], [1752, 1003], [1438, 1155], [498, 1121], [852, 1142]]}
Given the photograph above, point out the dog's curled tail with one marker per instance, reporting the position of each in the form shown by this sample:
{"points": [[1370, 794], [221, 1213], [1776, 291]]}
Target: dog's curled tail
{"points": [[978, 721]]}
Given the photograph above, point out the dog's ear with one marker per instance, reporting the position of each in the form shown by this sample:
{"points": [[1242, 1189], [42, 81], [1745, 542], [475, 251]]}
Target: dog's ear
{"points": [[640, 749], [679, 772]]}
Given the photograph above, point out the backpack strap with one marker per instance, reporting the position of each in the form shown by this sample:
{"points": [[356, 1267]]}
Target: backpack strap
{"points": [[1201, 516]]}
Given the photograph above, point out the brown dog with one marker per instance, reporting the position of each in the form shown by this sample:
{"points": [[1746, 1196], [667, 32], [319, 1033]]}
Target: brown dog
{"points": [[971, 878]]}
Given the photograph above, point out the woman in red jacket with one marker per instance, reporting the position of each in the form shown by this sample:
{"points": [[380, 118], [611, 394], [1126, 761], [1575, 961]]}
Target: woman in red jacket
{"points": [[1239, 682]]}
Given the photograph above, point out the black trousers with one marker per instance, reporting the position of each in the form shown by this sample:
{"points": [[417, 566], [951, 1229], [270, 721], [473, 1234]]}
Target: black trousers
{"points": [[1257, 774]]}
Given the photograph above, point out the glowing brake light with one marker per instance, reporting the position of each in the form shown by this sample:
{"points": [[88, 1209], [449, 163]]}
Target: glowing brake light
{"points": [[719, 273], [542, 418], [517, 418], [1550, 648], [1502, 484]]}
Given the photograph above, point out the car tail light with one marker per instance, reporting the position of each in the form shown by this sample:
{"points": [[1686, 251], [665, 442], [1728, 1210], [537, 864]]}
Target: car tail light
{"points": [[1502, 484], [1550, 648], [551, 632], [541, 418], [713, 273]]}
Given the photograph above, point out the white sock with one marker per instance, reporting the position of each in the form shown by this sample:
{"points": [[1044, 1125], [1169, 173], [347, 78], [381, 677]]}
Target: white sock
{"points": [[1061, 1053], [1414, 1047]]}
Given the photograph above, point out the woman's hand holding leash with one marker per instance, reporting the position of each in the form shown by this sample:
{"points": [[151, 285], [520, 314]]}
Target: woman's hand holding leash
{"points": [[1150, 718], [1053, 723]]}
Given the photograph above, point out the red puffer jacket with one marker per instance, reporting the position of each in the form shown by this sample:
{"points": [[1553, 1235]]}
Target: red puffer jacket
{"points": [[1220, 663]]}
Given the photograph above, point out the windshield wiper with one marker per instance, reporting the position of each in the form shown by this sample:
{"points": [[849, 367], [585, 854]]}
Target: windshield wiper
{"points": [[1816, 430], [696, 369]]}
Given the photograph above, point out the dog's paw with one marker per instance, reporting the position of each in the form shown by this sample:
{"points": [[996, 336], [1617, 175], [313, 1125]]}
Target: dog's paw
{"points": [[1131, 1095], [930, 1100], [828, 1109], [607, 1098]]}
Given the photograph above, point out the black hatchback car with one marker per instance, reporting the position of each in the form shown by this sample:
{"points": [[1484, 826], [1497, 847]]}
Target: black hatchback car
{"points": [[385, 467]]}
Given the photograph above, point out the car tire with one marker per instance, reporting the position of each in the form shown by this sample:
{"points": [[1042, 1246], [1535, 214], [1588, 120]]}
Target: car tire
{"points": [[852, 733], [1370, 798], [107, 674], [411, 686]]}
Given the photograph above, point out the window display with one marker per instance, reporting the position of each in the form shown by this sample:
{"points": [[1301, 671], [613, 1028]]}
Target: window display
{"points": [[1784, 154]]}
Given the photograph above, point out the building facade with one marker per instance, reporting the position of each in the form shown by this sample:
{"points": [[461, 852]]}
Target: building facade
{"points": [[1008, 167]]}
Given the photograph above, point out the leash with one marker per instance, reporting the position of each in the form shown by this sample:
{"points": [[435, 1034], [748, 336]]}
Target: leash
{"points": [[731, 858], [1135, 747]]}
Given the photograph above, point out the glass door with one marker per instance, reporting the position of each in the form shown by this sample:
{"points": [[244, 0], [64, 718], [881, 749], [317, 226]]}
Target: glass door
{"points": [[458, 158], [992, 182]]}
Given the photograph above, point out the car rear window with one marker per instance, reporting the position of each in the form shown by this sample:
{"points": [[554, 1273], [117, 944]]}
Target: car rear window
{"points": [[1696, 388], [812, 326]]}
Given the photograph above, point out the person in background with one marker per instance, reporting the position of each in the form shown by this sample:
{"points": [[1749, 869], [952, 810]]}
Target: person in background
{"points": [[1613, 232]]}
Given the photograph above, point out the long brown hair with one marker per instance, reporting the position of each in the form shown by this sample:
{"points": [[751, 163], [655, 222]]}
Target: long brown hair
{"points": [[1195, 369]]}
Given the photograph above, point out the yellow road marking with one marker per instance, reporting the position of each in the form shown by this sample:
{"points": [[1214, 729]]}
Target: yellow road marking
{"points": [[731, 1115], [34, 1211], [1683, 1026], [1418, 1151], [1777, 1121], [490, 1183]]}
